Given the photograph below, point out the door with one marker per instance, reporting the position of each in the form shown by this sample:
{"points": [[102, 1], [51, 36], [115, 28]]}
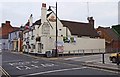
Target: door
{"points": [[39, 47]]}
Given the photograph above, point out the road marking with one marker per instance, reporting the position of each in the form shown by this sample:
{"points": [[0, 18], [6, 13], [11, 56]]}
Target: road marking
{"points": [[23, 67], [18, 68], [46, 72], [4, 72], [35, 66], [47, 65], [23, 63]]}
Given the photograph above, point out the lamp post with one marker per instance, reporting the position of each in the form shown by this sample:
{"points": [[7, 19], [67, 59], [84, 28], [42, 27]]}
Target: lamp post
{"points": [[56, 52]]}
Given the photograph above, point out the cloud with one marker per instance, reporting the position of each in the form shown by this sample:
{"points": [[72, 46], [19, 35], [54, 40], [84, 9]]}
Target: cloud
{"points": [[101, 11]]}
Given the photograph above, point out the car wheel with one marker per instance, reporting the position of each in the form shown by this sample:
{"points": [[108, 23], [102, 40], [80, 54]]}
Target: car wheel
{"points": [[113, 60], [48, 54]]}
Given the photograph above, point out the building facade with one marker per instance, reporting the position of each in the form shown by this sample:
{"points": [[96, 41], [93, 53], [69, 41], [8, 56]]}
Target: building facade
{"points": [[71, 36], [14, 41], [5, 29], [111, 38]]}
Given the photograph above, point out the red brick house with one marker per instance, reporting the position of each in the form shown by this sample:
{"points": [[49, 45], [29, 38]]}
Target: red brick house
{"points": [[111, 38], [5, 29]]}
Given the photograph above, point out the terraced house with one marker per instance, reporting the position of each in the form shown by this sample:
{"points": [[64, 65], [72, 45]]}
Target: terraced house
{"points": [[15, 41], [111, 36], [72, 37], [5, 29]]}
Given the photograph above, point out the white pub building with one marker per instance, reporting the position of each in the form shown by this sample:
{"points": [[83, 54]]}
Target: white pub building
{"points": [[73, 37]]}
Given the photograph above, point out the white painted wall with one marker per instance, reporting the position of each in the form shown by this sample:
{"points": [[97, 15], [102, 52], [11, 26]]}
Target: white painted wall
{"points": [[4, 46], [59, 26], [85, 43], [48, 41]]}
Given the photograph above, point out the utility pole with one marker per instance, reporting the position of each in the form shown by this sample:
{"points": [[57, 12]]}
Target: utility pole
{"points": [[56, 32]]}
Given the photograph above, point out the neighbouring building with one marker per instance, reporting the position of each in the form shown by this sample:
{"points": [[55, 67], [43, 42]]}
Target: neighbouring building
{"points": [[112, 40], [14, 40], [5, 29], [71, 36]]}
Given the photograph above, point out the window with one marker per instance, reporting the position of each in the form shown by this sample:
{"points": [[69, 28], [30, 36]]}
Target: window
{"points": [[32, 37], [60, 29], [38, 39], [61, 35], [33, 46], [24, 47], [41, 46]]}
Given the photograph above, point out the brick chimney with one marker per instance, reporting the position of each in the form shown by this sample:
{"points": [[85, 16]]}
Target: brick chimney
{"points": [[43, 12], [91, 21], [3, 24], [7, 23]]}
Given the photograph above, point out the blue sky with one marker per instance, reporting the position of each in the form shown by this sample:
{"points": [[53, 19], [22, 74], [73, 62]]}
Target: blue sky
{"points": [[105, 12]]}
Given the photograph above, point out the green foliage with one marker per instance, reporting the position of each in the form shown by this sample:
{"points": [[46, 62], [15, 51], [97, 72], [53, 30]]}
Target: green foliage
{"points": [[66, 40], [72, 39]]}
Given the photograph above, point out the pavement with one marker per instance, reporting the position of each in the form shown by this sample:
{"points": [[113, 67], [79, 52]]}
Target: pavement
{"points": [[106, 66], [103, 66]]}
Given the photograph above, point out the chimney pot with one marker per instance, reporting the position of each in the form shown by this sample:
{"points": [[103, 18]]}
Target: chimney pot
{"points": [[8, 22], [3, 24], [43, 4], [91, 21], [90, 18]]}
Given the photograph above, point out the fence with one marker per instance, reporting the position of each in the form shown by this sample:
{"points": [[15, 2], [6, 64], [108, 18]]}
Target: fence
{"points": [[82, 52]]}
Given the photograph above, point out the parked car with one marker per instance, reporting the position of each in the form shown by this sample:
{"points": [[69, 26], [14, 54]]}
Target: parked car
{"points": [[113, 57]]}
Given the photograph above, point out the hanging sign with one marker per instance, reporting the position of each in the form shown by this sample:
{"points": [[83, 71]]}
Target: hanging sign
{"points": [[52, 18]]}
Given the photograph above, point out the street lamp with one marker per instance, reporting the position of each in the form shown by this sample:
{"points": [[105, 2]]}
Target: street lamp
{"points": [[56, 53]]}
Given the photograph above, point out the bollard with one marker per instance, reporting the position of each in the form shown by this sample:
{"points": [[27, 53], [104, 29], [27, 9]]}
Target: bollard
{"points": [[117, 59], [78, 52], [83, 52], [103, 61]]}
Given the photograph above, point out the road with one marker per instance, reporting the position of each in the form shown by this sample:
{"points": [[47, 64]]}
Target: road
{"points": [[17, 64]]}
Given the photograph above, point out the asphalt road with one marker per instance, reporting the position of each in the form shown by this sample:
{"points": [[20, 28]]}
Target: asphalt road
{"points": [[16, 64]]}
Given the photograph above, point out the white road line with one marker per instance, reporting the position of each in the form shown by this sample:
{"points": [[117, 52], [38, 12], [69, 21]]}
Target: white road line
{"points": [[53, 71], [18, 68]]}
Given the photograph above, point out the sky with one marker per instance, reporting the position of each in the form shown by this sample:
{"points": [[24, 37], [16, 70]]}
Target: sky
{"points": [[104, 12]]}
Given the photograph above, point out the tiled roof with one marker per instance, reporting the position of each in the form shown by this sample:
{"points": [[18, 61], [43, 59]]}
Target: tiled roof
{"points": [[38, 22], [80, 28], [110, 32]]}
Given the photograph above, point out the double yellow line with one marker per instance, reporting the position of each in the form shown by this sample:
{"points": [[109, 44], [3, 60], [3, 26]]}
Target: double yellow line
{"points": [[4, 73]]}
